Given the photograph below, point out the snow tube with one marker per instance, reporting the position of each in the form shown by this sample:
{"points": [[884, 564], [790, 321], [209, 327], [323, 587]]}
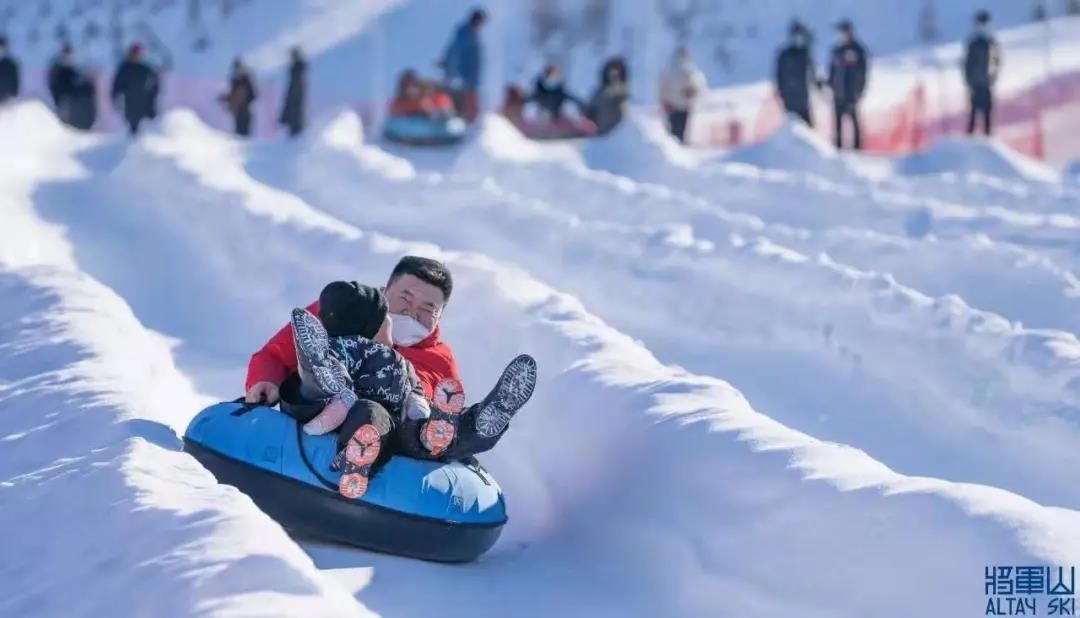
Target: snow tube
{"points": [[563, 128], [424, 131], [446, 512]]}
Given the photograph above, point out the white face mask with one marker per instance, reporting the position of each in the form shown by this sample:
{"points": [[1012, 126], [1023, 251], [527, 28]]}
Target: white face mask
{"points": [[406, 330]]}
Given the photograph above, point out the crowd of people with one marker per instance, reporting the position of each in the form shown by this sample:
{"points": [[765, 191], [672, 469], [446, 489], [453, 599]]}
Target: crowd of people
{"points": [[137, 84], [848, 76]]}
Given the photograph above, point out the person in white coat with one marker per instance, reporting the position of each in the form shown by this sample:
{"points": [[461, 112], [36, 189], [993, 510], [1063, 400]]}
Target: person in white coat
{"points": [[680, 86]]}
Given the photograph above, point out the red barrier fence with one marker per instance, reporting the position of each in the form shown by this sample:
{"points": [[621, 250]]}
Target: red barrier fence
{"points": [[1021, 120]]}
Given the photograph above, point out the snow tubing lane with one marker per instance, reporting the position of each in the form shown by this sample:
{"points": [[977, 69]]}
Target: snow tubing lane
{"points": [[444, 512], [420, 131]]}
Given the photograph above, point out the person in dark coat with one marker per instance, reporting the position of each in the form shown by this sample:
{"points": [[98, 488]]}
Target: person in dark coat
{"points": [[240, 97], [795, 74], [549, 92], [62, 78], [608, 103], [82, 104], [294, 110], [463, 64], [982, 62], [848, 68], [136, 85], [9, 73], [72, 91]]}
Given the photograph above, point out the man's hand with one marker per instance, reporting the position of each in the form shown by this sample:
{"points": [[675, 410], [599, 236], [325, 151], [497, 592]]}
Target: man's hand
{"points": [[262, 392]]}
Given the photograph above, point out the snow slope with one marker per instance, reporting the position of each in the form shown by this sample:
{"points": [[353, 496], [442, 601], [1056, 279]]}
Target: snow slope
{"points": [[719, 403], [95, 495]]}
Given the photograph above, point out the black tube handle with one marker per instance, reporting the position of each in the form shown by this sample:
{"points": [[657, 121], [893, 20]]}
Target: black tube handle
{"points": [[246, 407]]}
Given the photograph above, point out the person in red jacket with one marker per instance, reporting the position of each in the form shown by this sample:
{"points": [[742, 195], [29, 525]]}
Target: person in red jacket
{"points": [[416, 294]]}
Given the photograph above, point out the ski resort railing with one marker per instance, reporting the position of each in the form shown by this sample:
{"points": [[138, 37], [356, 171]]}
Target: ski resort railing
{"points": [[1042, 121]]}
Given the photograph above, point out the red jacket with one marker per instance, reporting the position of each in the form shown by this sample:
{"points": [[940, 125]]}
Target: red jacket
{"points": [[432, 359]]}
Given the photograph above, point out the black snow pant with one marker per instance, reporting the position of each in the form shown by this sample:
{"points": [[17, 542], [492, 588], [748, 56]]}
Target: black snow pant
{"points": [[847, 109], [242, 119], [466, 443], [134, 122], [363, 412], [677, 121], [800, 109], [982, 103], [396, 437]]}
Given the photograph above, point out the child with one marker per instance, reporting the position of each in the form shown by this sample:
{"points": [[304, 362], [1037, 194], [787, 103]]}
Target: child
{"points": [[345, 358]]}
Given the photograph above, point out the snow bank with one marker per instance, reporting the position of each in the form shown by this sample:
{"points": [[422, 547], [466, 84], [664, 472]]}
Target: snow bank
{"points": [[779, 308], [343, 130], [1072, 171], [976, 156], [575, 499], [794, 147], [640, 146], [496, 140], [96, 491], [97, 494]]}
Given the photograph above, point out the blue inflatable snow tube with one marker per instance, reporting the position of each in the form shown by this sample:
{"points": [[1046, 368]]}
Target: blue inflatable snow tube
{"points": [[424, 131], [446, 512]]}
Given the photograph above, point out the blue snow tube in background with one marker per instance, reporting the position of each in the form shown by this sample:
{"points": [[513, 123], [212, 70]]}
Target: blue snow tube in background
{"points": [[441, 511], [424, 131]]}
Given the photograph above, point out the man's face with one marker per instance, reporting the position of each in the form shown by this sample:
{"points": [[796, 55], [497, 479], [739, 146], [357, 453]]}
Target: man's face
{"points": [[409, 295]]}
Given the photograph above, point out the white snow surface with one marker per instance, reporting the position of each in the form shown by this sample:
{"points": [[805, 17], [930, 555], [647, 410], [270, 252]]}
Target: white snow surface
{"points": [[779, 381], [720, 400]]}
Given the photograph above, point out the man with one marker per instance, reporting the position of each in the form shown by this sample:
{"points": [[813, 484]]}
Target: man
{"points": [[982, 62], [795, 74], [240, 97], [62, 80], [848, 67], [416, 294], [680, 86], [136, 85], [463, 64], [9, 73], [294, 111], [549, 92]]}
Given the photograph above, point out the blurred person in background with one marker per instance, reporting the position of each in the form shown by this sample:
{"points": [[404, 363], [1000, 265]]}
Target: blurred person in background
{"points": [[72, 90], [417, 97], [549, 92], [607, 106], [9, 73], [848, 71], [240, 96], [795, 73], [462, 64], [680, 86], [294, 109], [135, 87], [982, 63]]}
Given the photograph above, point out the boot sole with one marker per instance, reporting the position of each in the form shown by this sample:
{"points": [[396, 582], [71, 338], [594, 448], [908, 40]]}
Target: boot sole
{"points": [[512, 391], [313, 347], [361, 451], [439, 431]]}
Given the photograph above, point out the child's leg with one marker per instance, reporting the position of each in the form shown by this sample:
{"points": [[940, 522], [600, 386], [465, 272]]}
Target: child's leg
{"points": [[363, 446], [407, 439]]}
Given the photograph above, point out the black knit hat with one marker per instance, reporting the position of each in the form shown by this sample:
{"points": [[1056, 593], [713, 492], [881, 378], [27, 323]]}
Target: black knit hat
{"points": [[347, 308]]}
